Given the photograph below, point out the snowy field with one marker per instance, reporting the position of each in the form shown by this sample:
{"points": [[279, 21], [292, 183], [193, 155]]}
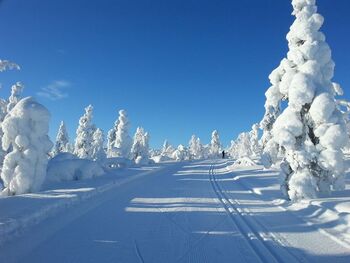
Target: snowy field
{"points": [[202, 211]]}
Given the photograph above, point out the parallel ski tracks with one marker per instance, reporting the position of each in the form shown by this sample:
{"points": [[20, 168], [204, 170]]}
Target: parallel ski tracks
{"points": [[263, 245]]}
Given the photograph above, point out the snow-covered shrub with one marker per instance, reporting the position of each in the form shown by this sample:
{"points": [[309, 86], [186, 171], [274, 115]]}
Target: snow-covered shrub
{"points": [[62, 140], [311, 130], [26, 140], [67, 167], [98, 152], [85, 132], [241, 147], [215, 145]]}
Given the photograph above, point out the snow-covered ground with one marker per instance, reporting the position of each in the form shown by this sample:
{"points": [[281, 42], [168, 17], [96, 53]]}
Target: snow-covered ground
{"points": [[203, 211]]}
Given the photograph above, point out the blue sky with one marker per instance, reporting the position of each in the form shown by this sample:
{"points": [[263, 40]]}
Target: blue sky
{"points": [[178, 67]]}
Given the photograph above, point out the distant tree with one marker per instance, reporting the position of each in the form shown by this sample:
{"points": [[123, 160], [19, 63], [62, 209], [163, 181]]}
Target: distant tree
{"points": [[98, 152], [181, 153], [140, 147], [62, 140], [123, 141], [195, 148], [215, 145], [85, 132]]}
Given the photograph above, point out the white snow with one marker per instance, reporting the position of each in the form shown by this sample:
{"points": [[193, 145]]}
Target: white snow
{"points": [[27, 145]]}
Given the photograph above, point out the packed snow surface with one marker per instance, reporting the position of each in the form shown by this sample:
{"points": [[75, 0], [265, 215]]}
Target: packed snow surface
{"points": [[202, 211]]}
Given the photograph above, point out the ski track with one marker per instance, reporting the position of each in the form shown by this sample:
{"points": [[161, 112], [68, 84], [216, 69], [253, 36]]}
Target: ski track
{"points": [[189, 213]]}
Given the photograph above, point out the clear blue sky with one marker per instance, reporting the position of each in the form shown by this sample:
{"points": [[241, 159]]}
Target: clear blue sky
{"points": [[178, 67]]}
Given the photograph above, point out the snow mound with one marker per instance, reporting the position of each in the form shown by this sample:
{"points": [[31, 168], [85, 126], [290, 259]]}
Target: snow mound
{"points": [[116, 162], [160, 159], [244, 161], [61, 169]]}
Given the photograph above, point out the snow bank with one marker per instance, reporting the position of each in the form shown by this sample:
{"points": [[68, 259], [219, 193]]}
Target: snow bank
{"points": [[160, 159], [68, 168], [243, 162], [116, 162]]}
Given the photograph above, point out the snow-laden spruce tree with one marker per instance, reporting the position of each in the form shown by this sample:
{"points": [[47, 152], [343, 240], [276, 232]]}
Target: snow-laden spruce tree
{"points": [[85, 132], [98, 152], [311, 130], [254, 140], [62, 140], [140, 147], [215, 145], [27, 144], [195, 148], [123, 141], [111, 140], [16, 95]]}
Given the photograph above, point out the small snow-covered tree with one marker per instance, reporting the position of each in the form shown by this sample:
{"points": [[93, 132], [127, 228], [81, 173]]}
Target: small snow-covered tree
{"points": [[195, 148], [215, 145], [98, 152], [27, 142], [311, 130], [62, 140], [111, 140], [123, 141], [85, 132], [254, 140], [140, 147], [167, 149], [181, 153], [15, 97]]}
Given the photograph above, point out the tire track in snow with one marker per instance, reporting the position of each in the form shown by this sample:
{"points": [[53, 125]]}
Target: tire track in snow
{"points": [[260, 245]]}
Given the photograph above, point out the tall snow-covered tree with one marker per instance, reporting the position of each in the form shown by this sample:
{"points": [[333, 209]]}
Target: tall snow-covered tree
{"points": [[195, 148], [85, 132], [27, 142], [62, 140], [123, 141], [311, 130], [215, 145], [98, 152]]}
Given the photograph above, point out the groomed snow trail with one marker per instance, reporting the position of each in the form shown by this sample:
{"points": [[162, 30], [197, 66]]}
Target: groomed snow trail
{"points": [[188, 212]]}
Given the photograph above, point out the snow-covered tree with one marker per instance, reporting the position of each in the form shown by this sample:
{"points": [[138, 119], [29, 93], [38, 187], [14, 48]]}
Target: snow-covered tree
{"points": [[140, 147], [167, 149], [311, 130], [111, 140], [123, 141], [181, 153], [27, 144], [15, 97], [241, 147], [215, 145], [254, 140], [85, 132], [98, 152], [195, 148], [62, 140]]}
